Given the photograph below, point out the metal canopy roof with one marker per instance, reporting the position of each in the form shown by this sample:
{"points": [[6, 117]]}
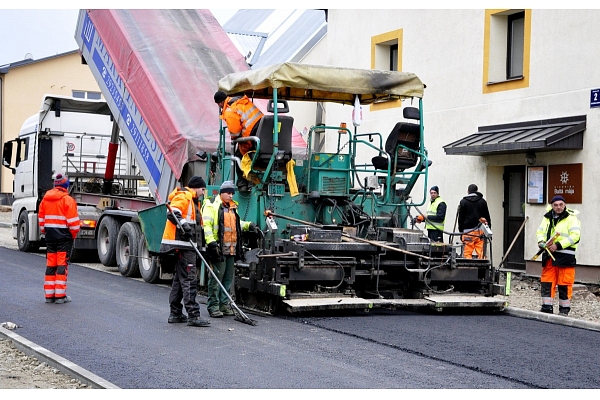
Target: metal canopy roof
{"points": [[267, 37], [543, 135]]}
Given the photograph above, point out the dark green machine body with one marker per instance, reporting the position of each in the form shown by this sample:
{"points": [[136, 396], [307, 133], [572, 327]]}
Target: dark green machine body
{"points": [[334, 225]]}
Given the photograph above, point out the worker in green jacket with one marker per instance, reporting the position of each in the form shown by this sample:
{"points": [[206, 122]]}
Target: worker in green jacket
{"points": [[223, 234], [558, 259]]}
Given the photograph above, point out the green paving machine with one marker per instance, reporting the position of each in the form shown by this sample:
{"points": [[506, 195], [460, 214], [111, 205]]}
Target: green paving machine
{"points": [[335, 226]]}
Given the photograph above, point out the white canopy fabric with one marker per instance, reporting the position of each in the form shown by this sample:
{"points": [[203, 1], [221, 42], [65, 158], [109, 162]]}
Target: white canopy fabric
{"points": [[304, 82]]}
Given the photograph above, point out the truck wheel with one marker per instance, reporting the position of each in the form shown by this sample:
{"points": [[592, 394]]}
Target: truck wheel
{"points": [[108, 230], [148, 264], [23, 235], [127, 249]]}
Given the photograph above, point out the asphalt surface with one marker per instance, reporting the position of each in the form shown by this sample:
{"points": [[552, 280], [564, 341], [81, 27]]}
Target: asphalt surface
{"points": [[114, 334]]}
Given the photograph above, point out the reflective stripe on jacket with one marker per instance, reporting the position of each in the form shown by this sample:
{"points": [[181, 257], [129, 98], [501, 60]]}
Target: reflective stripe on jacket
{"points": [[569, 227], [182, 204], [58, 217], [436, 215], [240, 115], [222, 225]]}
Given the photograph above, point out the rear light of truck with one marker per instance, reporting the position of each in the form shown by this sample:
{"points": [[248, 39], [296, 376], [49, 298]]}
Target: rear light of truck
{"points": [[88, 223]]}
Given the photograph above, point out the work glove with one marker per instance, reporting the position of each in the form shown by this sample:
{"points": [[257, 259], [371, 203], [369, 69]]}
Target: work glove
{"points": [[419, 218], [542, 245], [483, 221], [214, 252], [252, 227], [187, 231]]}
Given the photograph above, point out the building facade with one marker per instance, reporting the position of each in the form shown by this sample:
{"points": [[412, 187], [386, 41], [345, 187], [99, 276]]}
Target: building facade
{"points": [[509, 105]]}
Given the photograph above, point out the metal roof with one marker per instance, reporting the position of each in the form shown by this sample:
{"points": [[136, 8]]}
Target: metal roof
{"points": [[267, 37], [542, 135], [5, 68]]}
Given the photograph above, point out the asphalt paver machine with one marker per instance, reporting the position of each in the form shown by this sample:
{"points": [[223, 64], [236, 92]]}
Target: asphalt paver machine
{"points": [[334, 220]]}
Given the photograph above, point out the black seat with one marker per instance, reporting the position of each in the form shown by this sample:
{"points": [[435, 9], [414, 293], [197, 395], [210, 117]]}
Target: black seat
{"points": [[264, 132], [407, 135]]}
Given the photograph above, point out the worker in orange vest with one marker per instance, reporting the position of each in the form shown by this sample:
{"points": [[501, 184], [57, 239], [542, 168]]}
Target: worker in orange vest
{"points": [[59, 223], [179, 244], [241, 117]]}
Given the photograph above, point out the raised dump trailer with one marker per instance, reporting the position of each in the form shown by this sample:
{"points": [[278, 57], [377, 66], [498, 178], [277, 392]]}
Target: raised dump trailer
{"points": [[157, 70]]}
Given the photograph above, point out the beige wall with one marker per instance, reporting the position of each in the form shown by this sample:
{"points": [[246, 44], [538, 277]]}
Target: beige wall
{"points": [[23, 88]]}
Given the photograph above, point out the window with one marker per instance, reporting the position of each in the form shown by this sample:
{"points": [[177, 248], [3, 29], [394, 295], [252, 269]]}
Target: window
{"points": [[80, 94], [514, 60], [507, 40], [386, 54], [394, 57]]}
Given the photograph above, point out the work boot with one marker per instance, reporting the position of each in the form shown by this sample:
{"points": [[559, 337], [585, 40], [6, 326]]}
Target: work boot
{"points": [[226, 310], [547, 309], [197, 321], [564, 311], [215, 314], [177, 319], [50, 300], [62, 300]]}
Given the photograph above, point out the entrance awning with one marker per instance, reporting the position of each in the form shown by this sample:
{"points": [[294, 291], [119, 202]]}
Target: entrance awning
{"points": [[522, 137]]}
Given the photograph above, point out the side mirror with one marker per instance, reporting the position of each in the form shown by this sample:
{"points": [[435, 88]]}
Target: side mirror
{"points": [[7, 155]]}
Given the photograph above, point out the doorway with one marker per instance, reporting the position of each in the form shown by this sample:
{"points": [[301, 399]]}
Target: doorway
{"points": [[514, 215]]}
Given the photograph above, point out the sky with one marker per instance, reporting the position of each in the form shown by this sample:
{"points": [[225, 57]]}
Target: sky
{"points": [[44, 33]]}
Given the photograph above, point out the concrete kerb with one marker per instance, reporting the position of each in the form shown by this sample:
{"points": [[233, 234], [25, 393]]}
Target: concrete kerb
{"points": [[55, 361], [552, 318]]}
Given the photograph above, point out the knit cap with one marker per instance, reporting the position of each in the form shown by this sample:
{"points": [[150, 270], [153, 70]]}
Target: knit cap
{"points": [[435, 189], [61, 180], [196, 182], [227, 187], [557, 198], [220, 96]]}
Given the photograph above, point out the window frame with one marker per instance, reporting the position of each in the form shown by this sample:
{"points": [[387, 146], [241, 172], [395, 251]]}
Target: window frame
{"points": [[495, 51], [381, 53]]}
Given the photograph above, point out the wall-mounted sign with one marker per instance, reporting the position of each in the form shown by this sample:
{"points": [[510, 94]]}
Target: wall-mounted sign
{"points": [[536, 185], [595, 98], [566, 180]]}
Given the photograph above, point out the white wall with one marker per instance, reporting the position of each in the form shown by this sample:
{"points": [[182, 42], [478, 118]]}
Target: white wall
{"points": [[445, 49]]}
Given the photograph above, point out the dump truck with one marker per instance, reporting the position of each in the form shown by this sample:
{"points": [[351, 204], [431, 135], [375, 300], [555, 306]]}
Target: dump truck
{"points": [[157, 71]]}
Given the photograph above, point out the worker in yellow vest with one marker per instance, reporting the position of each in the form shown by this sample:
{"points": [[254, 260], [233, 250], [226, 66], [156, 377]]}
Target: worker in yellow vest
{"points": [[436, 216]]}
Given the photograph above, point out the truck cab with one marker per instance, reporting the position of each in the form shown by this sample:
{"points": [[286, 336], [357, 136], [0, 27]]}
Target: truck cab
{"points": [[68, 135]]}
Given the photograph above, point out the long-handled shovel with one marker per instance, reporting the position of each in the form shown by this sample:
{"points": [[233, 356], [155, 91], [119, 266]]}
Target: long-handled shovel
{"points": [[239, 314]]}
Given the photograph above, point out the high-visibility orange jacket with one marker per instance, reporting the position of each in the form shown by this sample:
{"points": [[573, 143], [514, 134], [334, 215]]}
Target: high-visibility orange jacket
{"points": [[182, 202], [240, 115], [58, 217]]}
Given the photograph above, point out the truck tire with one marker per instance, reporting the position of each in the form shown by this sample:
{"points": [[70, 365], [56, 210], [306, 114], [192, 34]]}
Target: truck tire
{"points": [[127, 253], [148, 265], [108, 230], [23, 234]]}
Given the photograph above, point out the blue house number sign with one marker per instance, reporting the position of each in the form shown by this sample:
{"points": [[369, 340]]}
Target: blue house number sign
{"points": [[595, 98]]}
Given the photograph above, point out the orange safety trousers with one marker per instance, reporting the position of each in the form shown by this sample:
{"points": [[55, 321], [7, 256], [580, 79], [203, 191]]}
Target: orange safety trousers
{"points": [[473, 242], [561, 276], [55, 279]]}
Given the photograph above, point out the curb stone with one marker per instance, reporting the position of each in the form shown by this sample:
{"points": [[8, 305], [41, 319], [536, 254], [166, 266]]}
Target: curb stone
{"points": [[552, 318], [55, 361]]}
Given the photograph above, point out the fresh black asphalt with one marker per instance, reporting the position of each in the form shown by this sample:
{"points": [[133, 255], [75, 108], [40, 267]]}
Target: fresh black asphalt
{"points": [[117, 329]]}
